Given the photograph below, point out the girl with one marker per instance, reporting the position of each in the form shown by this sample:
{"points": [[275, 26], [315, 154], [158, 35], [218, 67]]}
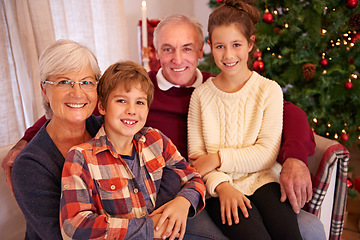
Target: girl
{"points": [[234, 131]]}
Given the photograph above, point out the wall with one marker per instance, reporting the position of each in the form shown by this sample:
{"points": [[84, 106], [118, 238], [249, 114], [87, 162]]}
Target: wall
{"points": [[157, 9]]}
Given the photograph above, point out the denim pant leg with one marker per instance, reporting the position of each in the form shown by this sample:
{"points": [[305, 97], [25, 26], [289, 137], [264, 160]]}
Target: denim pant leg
{"points": [[201, 227], [311, 228]]}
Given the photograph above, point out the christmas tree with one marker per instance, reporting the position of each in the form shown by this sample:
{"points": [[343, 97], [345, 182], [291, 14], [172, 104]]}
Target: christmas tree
{"points": [[311, 49]]}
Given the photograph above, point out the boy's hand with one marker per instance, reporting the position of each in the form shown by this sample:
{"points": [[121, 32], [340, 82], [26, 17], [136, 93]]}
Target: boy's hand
{"points": [[9, 161], [159, 233], [230, 199], [176, 212], [205, 163]]}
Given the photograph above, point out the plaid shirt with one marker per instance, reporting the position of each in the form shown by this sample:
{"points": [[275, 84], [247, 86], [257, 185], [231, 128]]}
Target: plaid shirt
{"points": [[99, 193]]}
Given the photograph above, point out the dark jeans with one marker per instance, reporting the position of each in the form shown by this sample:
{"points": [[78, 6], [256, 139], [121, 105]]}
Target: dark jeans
{"points": [[268, 219]]}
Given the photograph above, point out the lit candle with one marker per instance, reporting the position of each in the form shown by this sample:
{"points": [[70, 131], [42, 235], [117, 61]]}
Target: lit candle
{"points": [[144, 24]]}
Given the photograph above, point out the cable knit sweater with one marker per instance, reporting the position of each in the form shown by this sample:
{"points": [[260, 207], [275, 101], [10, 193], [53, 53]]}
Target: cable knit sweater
{"points": [[244, 127]]}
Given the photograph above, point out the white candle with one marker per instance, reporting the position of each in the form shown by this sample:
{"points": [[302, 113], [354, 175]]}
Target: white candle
{"points": [[144, 24]]}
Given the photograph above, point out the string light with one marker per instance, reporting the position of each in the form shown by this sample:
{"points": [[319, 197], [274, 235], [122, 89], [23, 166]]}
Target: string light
{"points": [[315, 120], [336, 136]]}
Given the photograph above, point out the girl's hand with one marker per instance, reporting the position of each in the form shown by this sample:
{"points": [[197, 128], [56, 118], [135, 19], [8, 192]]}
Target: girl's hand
{"points": [[230, 199], [176, 212], [205, 163]]}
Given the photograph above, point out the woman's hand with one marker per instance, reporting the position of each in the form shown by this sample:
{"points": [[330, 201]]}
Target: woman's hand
{"points": [[205, 163], [230, 199], [175, 213]]}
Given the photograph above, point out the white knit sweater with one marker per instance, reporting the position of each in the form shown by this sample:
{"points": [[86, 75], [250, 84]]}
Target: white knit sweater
{"points": [[244, 127]]}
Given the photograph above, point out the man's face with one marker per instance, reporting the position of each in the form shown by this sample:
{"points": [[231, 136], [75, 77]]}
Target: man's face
{"points": [[179, 49]]}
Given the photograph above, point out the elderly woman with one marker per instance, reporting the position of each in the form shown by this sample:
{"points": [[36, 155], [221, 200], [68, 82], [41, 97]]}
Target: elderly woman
{"points": [[68, 77]]}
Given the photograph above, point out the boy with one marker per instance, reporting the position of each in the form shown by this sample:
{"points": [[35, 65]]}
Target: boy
{"points": [[110, 184]]}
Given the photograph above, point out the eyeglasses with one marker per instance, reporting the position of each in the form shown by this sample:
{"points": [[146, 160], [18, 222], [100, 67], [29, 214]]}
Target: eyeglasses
{"points": [[85, 85]]}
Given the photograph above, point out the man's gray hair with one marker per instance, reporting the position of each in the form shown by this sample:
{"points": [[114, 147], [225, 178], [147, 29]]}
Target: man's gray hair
{"points": [[179, 18]]}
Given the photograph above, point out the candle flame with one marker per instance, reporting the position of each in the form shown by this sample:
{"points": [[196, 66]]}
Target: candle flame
{"points": [[143, 3]]}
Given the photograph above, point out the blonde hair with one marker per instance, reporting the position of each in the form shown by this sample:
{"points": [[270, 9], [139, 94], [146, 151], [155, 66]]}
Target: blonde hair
{"points": [[62, 57]]}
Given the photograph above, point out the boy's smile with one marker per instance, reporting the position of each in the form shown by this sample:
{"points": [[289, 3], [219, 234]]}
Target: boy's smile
{"points": [[125, 114]]}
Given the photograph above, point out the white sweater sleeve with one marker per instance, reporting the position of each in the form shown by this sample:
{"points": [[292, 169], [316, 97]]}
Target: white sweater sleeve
{"points": [[262, 153], [196, 145]]}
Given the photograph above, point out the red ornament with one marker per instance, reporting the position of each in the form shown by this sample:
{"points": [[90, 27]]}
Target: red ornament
{"points": [[324, 62], [257, 54], [355, 37], [259, 65], [268, 17], [344, 137], [219, 1], [350, 60], [349, 85], [351, 3], [349, 183]]}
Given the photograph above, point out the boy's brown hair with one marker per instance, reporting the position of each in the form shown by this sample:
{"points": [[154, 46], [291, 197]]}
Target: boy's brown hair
{"points": [[127, 74]]}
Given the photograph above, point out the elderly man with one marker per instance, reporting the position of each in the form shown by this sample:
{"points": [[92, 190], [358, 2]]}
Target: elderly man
{"points": [[179, 42]]}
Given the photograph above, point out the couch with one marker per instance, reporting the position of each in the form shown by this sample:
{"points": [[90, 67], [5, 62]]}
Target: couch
{"points": [[328, 167]]}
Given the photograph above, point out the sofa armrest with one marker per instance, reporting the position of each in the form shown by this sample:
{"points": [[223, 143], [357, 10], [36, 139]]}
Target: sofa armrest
{"points": [[329, 155], [12, 221]]}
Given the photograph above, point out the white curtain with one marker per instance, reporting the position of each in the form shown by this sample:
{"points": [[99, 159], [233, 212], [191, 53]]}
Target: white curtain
{"points": [[27, 27]]}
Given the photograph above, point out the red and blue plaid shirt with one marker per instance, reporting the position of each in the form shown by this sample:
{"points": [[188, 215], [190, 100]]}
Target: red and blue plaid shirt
{"points": [[99, 192]]}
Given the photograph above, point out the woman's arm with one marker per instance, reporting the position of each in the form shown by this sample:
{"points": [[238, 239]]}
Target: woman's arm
{"points": [[37, 192]]}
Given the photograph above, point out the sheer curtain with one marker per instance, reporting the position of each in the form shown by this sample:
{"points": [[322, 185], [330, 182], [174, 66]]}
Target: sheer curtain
{"points": [[28, 27]]}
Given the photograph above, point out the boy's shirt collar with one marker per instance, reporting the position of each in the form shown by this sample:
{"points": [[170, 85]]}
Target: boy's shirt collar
{"points": [[165, 85], [102, 143]]}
